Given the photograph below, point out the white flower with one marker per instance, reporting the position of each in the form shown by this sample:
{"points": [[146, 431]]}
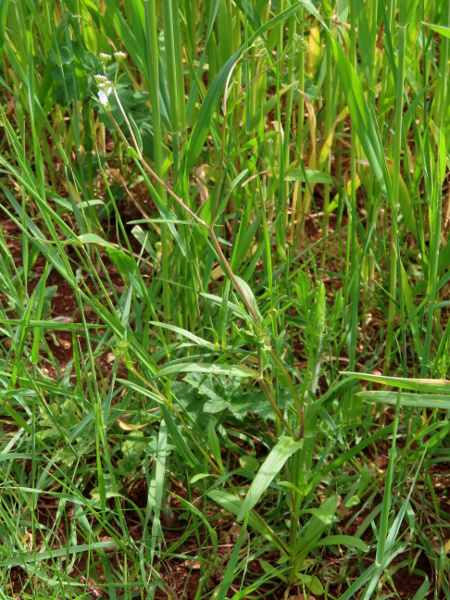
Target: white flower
{"points": [[105, 89], [119, 55], [103, 97], [105, 57]]}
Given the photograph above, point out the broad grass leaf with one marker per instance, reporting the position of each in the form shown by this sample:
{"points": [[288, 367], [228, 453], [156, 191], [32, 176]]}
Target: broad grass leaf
{"points": [[339, 540], [214, 445], [4, 5], [156, 488], [213, 369], [249, 463], [391, 546], [408, 13], [143, 238], [15, 416], [422, 592], [274, 570], [249, 295], [284, 448], [309, 175], [237, 310], [413, 400], [357, 585], [363, 119], [323, 518], [311, 582], [435, 386], [444, 31], [128, 270], [184, 333], [213, 8], [36, 557], [244, 240], [404, 199], [93, 238], [203, 121], [251, 13]]}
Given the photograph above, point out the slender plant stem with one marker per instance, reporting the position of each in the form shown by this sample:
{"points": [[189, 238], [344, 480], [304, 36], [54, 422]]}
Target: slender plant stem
{"points": [[394, 252]]}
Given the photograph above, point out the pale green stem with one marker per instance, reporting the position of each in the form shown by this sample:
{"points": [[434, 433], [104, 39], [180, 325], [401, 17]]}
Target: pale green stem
{"points": [[328, 126], [394, 253], [153, 78], [354, 275]]}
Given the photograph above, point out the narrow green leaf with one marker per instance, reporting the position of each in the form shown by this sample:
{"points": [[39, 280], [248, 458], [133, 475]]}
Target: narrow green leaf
{"points": [[229, 575], [93, 238], [36, 557], [178, 440], [413, 400], [4, 5], [115, 16], [309, 175], [184, 333], [363, 119], [251, 13], [249, 295], [445, 31], [339, 540], [416, 385]]}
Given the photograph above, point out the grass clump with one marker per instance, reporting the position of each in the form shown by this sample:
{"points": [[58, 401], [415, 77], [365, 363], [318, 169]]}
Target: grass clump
{"points": [[223, 298]]}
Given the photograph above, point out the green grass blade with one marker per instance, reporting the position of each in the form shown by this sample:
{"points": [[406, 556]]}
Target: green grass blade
{"points": [[284, 448]]}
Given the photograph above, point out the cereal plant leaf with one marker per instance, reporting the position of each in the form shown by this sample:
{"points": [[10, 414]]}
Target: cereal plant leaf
{"points": [[436, 386], [413, 400], [284, 448], [363, 119], [445, 31]]}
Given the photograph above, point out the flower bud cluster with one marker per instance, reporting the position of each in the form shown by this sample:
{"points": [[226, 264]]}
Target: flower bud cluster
{"points": [[105, 86]]}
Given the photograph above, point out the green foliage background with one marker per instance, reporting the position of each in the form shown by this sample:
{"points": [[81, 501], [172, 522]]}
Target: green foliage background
{"points": [[253, 234]]}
